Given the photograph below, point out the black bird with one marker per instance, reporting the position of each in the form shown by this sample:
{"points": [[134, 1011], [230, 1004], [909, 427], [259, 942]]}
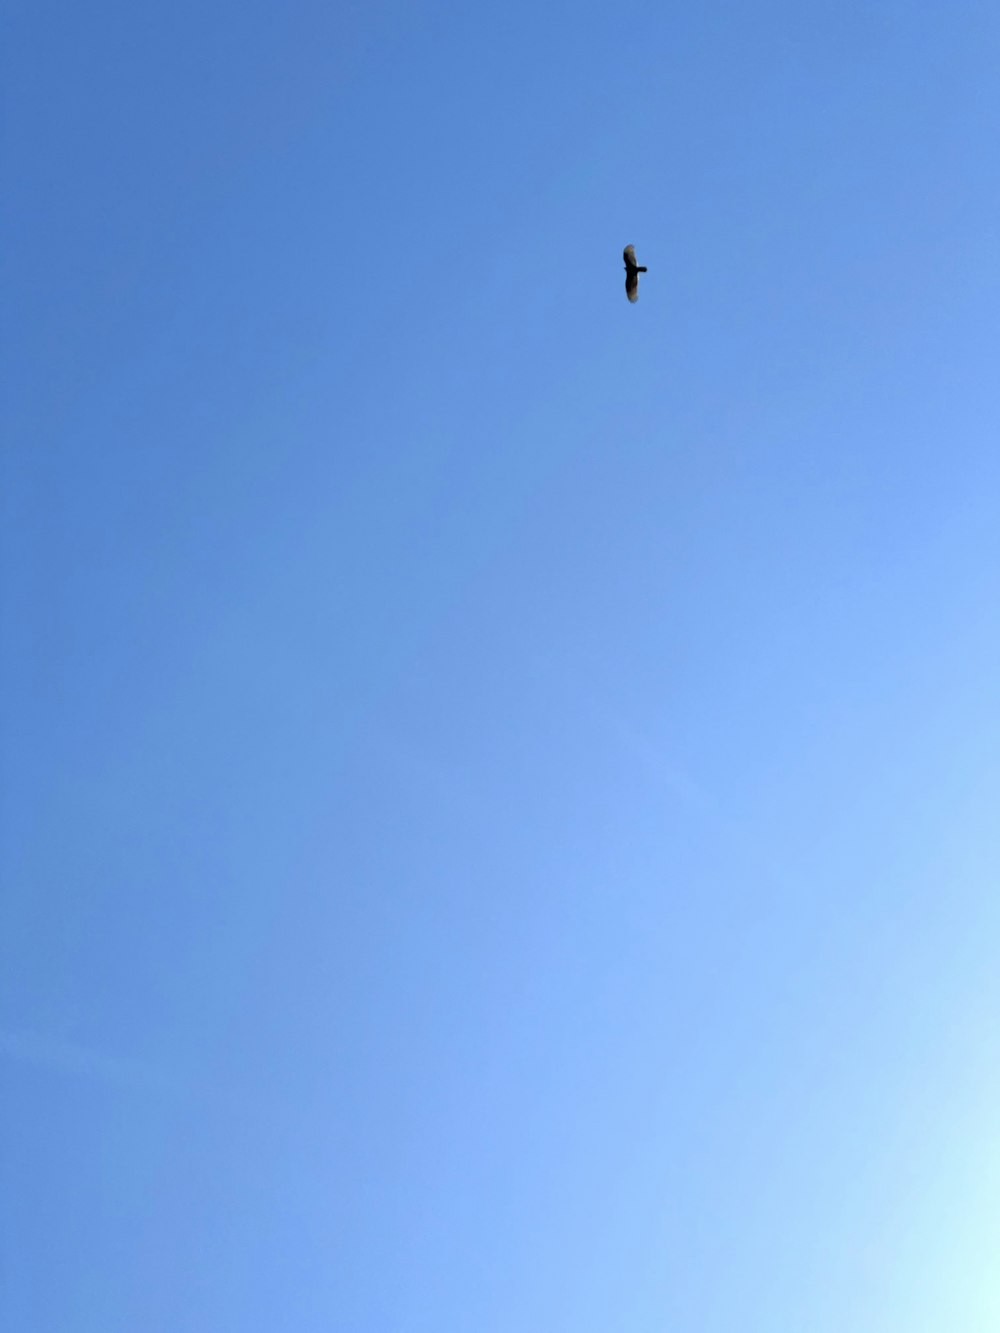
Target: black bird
{"points": [[632, 271]]}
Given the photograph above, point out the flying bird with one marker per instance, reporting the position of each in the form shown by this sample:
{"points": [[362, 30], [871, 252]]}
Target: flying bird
{"points": [[632, 271]]}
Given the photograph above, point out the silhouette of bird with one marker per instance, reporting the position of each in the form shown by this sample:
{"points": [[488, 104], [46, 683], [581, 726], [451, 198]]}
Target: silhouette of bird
{"points": [[632, 271]]}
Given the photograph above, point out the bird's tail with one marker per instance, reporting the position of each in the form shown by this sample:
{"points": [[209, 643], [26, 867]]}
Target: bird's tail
{"points": [[641, 268]]}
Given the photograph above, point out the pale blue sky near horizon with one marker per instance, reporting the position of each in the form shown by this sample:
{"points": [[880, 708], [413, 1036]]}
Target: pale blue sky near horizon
{"points": [[500, 787]]}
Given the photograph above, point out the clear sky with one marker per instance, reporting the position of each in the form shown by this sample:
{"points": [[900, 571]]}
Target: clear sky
{"points": [[501, 787]]}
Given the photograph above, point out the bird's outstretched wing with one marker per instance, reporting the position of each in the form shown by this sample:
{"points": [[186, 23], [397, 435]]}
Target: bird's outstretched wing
{"points": [[632, 271]]}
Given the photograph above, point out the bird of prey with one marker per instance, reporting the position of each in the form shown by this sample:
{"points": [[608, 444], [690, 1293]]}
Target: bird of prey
{"points": [[632, 271]]}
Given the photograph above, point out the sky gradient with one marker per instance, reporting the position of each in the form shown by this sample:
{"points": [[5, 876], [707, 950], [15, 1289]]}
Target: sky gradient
{"points": [[500, 819]]}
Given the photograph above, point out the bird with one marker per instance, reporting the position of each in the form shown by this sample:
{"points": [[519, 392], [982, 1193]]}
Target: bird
{"points": [[632, 271]]}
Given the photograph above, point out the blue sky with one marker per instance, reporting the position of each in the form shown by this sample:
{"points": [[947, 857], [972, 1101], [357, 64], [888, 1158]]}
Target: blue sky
{"points": [[500, 786]]}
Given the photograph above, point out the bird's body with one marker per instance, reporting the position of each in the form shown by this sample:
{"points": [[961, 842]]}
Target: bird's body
{"points": [[632, 271]]}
